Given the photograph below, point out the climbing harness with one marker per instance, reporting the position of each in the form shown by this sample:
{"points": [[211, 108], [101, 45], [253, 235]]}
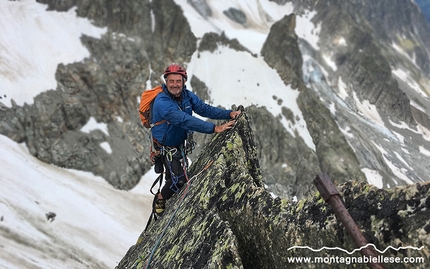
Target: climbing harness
{"points": [[176, 179], [157, 153]]}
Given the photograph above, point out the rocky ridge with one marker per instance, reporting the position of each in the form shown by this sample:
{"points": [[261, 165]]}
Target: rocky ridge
{"points": [[226, 219]]}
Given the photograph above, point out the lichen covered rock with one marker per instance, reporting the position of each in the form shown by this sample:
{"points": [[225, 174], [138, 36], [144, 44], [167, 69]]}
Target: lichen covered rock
{"points": [[226, 219]]}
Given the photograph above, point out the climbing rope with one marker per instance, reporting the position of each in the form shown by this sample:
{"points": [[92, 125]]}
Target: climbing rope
{"points": [[169, 153], [157, 243], [175, 178]]}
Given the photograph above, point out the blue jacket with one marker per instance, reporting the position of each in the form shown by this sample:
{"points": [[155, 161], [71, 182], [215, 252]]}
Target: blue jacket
{"points": [[178, 115]]}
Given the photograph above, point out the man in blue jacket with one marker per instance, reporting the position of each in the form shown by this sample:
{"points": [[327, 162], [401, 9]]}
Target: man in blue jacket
{"points": [[172, 114]]}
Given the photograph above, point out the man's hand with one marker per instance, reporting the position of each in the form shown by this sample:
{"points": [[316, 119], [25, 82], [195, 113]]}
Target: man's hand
{"points": [[229, 124], [225, 126], [234, 114]]}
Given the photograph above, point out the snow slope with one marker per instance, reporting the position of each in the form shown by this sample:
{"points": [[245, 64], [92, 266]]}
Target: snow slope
{"points": [[94, 226], [33, 42]]}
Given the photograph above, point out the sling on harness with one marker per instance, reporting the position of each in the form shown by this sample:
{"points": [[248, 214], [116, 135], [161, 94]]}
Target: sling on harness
{"points": [[158, 152]]}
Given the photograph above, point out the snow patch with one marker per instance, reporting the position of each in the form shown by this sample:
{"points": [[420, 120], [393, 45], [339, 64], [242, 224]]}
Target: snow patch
{"points": [[399, 172], [92, 124], [34, 41], [329, 61], [369, 111], [306, 29], [236, 82], [343, 94], [420, 129], [106, 147], [424, 151], [94, 221], [401, 74], [259, 18], [373, 177]]}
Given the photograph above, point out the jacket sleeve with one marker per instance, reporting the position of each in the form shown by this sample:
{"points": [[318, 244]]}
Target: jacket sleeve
{"points": [[175, 116], [206, 110]]}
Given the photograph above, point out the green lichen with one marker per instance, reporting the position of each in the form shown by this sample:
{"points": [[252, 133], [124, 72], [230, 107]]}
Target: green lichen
{"points": [[366, 189], [230, 145], [320, 201], [300, 205], [230, 151], [285, 203], [204, 200], [234, 187], [323, 209], [172, 253], [188, 219]]}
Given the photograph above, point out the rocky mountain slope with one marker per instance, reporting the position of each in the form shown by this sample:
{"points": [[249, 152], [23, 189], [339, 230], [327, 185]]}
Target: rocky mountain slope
{"points": [[358, 71], [226, 219], [362, 62]]}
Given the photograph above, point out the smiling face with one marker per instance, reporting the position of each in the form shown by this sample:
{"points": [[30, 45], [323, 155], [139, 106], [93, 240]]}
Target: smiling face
{"points": [[175, 84]]}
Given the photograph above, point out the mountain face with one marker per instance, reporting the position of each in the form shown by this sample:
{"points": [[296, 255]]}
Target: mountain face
{"points": [[334, 87], [226, 219], [361, 81], [354, 69], [366, 72], [104, 87]]}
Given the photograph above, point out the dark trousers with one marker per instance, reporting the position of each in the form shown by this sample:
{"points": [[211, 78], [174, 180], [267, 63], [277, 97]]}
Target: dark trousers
{"points": [[173, 164]]}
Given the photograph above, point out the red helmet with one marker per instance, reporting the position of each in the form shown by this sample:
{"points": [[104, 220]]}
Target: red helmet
{"points": [[175, 69]]}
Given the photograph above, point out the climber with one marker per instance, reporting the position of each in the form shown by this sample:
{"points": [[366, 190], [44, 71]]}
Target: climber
{"points": [[173, 108]]}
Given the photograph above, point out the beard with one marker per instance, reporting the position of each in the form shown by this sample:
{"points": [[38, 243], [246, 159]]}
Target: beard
{"points": [[175, 91]]}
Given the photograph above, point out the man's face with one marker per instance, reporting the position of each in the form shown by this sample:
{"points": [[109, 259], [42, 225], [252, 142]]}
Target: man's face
{"points": [[174, 84]]}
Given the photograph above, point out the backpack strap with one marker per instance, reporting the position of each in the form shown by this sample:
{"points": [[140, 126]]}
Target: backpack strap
{"points": [[158, 123]]}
